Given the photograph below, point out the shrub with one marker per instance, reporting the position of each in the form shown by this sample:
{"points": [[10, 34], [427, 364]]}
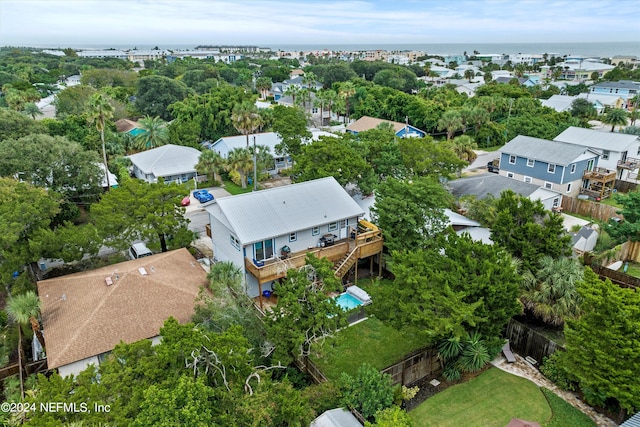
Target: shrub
{"points": [[555, 374], [323, 397], [368, 392]]}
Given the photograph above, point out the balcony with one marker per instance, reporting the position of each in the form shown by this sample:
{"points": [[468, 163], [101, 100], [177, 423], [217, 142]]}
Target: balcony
{"points": [[367, 244], [600, 174], [629, 163]]}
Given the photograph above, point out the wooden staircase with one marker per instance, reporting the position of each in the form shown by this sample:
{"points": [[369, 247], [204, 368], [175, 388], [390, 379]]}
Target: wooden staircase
{"points": [[341, 267]]}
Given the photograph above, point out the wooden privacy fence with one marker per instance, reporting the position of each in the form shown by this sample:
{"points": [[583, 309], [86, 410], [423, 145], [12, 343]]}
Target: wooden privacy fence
{"points": [[598, 211], [530, 343], [416, 366], [625, 186]]}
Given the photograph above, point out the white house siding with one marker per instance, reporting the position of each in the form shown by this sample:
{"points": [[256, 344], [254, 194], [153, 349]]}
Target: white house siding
{"points": [[560, 188], [76, 367]]}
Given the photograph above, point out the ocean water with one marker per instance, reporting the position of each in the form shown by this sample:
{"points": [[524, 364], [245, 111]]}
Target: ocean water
{"points": [[599, 49]]}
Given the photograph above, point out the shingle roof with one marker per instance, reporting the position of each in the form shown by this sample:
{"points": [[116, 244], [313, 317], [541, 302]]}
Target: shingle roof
{"points": [[84, 317], [282, 210], [599, 140], [555, 152], [167, 160], [489, 183], [125, 125]]}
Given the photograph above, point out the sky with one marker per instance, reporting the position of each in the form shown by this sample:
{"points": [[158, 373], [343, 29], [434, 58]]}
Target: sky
{"points": [[166, 23]]}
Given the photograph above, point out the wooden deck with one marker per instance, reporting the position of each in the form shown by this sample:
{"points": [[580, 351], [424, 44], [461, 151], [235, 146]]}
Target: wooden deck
{"points": [[368, 243]]}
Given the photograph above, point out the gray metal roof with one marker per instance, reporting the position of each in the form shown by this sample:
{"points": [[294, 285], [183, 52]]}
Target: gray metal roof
{"points": [[554, 152], [339, 417], [167, 160], [599, 140], [489, 183], [279, 211], [634, 421], [622, 84]]}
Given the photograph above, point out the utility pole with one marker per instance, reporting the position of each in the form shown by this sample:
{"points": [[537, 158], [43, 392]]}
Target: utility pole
{"points": [[255, 165]]}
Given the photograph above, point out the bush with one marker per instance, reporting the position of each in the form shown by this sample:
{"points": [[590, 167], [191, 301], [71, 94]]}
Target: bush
{"points": [[323, 397], [368, 392], [555, 374]]}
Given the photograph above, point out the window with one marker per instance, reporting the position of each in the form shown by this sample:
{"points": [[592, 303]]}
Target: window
{"points": [[314, 111], [293, 237], [606, 154], [556, 202], [315, 231], [509, 174], [551, 168], [263, 250], [548, 186], [528, 179], [512, 160], [530, 162], [573, 168], [234, 241], [333, 226], [568, 187]]}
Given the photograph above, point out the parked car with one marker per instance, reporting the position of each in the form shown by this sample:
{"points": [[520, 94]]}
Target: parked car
{"points": [[139, 250], [203, 196], [186, 201], [494, 166]]}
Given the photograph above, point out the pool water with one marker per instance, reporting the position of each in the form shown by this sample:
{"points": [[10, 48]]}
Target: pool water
{"points": [[347, 302]]}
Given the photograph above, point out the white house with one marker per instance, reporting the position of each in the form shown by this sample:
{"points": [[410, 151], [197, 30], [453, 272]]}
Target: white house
{"points": [[265, 233], [85, 315], [170, 162], [620, 152]]}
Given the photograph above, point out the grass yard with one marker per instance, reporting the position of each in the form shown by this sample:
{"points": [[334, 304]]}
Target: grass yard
{"points": [[492, 399], [234, 189], [634, 269], [370, 341]]}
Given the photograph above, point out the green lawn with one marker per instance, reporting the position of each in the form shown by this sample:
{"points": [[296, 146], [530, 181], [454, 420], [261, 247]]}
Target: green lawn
{"points": [[492, 399], [611, 201], [634, 269], [370, 341], [493, 148], [234, 189]]}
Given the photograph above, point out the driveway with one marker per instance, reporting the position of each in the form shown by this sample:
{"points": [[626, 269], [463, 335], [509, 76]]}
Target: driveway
{"points": [[196, 213], [481, 161]]}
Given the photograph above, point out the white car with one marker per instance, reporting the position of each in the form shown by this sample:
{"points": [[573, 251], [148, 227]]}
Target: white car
{"points": [[139, 250]]}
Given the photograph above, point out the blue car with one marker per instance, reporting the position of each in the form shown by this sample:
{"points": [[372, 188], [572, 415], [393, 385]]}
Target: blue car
{"points": [[203, 196]]}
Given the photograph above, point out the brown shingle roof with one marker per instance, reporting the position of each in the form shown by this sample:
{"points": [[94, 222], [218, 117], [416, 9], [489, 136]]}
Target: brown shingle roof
{"points": [[125, 125], [366, 123], [84, 317]]}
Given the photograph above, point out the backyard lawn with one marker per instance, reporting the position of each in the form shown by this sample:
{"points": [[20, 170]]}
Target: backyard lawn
{"points": [[370, 341], [492, 399], [234, 188]]}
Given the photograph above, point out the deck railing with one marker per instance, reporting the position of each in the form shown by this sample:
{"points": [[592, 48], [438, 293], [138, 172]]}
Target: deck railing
{"points": [[600, 174]]}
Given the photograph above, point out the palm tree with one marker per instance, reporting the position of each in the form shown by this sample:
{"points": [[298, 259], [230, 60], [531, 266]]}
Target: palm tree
{"points": [[615, 117], [451, 120], [469, 74], [156, 133], [241, 161], [23, 309], [633, 116], [347, 90], [31, 109], [246, 119], [292, 91], [263, 84], [100, 111], [225, 276], [464, 147], [210, 163], [551, 294]]}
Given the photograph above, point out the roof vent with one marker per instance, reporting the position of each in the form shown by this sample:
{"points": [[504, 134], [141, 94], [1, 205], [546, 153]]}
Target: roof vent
{"points": [[142, 271]]}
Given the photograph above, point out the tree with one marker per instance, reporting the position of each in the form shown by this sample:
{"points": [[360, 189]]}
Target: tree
{"points": [[73, 100], [263, 84], [527, 230], [469, 74], [424, 157], [246, 119], [410, 211], [464, 147], [304, 313], [615, 117], [241, 161], [156, 93], [291, 126], [346, 91], [137, 210], [155, 133], [551, 294], [100, 111], [211, 164], [583, 109], [455, 286], [629, 229], [31, 109], [451, 120], [14, 125], [369, 391], [603, 346], [54, 163], [393, 416]]}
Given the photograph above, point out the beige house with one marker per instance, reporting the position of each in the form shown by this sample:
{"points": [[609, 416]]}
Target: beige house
{"points": [[85, 315]]}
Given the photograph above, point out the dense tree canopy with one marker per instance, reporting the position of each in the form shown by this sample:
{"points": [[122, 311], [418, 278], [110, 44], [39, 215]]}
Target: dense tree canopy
{"points": [[156, 93]]}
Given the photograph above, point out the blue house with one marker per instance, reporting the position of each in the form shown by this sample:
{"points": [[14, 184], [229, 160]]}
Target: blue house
{"points": [[553, 165], [624, 88], [402, 130]]}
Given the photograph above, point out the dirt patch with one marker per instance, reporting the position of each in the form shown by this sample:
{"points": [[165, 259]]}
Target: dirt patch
{"points": [[276, 181]]}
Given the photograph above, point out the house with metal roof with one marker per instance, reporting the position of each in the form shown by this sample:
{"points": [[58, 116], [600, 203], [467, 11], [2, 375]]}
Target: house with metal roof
{"points": [[339, 417], [403, 130], [620, 152], [225, 145], [85, 315], [553, 165], [170, 162], [268, 232], [624, 88]]}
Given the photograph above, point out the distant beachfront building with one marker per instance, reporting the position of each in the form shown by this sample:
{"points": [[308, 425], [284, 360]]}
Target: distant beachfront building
{"points": [[108, 53]]}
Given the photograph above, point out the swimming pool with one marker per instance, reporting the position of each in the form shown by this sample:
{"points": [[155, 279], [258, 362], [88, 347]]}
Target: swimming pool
{"points": [[347, 302]]}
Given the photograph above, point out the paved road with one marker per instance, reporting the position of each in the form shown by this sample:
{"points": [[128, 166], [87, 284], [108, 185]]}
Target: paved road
{"points": [[481, 161], [196, 213]]}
